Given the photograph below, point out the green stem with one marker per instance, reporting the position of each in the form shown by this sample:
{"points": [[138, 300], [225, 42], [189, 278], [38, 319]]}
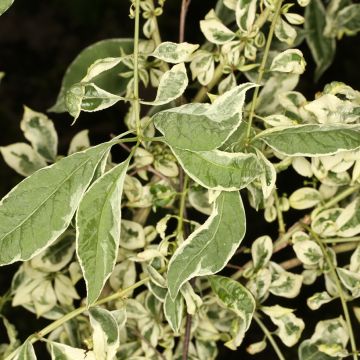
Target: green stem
{"points": [[136, 100], [270, 337], [57, 323], [341, 196], [340, 291], [341, 240], [182, 205], [280, 217], [262, 66]]}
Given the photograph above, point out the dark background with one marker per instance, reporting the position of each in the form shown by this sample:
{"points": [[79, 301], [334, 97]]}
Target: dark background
{"points": [[38, 40]]}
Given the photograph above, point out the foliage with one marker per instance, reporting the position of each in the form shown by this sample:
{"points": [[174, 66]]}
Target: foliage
{"points": [[123, 229]]}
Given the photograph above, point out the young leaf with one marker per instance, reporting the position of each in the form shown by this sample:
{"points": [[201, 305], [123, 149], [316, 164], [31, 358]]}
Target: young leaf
{"points": [[200, 253], [308, 252], [322, 48], [289, 61], [203, 127], [105, 333], [88, 97], [174, 53], [98, 229], [40, 208], [22, 158], [312, 140], [305, 198], [4, 5], [25, 352], [318, 299], [218, 170], [174, 310], [109, 81], [40, 131], [172, 84], [234, 296], [268, 175], [64, 352]]}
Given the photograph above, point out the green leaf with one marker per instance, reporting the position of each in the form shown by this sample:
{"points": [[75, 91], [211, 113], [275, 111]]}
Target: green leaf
{"points": [[214, 30], [172, 84], [234, 296], [174, 53], [40, 208], [312, 140], [41, 133], [22, 158], [25, 352], [105, 333], [108, 81], [322, 48], [88, 97], [203, 127], [98, 229], [174, 310], [219, 170], [261, 251], [64, 352], [4, 5], [200, 253], [289, 61]]}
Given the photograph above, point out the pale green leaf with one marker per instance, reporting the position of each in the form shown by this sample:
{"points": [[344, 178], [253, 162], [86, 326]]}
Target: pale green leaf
{"points": [[43, 297], [347, 21], [285, 32], [312, 140], [174, 53], [173, 311], [22, 158], [64, 352], [308, 252], [351, 280], [105, 333], [215, 31], [108, 81], [98, 229], [235, 297], [261, 251], [290, 328], [79, 142], [200, 253], [100, 66], [304, 198], [41, 133], [40, 208], [318, 299], [218, 170], [268, 175], [322, 48], [192, 300], [259, 284], [4, 5], [203, 127], [88, 97], [199, 199], [132, 235], [309, 351], [256, 347], [289, 61], [25, 352], [245, 14], [172, 85]]}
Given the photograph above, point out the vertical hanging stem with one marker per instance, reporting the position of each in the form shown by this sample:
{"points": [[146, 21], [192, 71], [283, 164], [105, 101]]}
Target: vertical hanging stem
{"points": [[184, 8], [262, 65], [136, 100]]}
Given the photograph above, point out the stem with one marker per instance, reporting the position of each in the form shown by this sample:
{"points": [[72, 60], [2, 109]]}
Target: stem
{"points": [[54, 325], [182, 205], [340, 291], [343, 195], [280, 217], [262, 66], [187, 337], [270, 337], [201, 94], [136, 102], [341, 240], [184, 8]]}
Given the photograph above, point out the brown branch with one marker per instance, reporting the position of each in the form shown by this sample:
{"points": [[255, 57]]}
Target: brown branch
{"points": [[184, 8]]}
